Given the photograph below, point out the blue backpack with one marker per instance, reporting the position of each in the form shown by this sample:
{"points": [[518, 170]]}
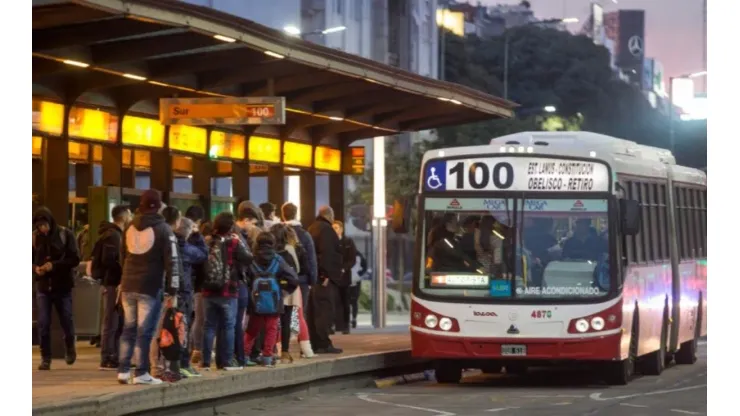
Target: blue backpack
{"points": [[266, 296]]}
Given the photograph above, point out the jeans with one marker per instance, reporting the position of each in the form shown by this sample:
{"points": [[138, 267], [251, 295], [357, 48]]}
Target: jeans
{"points": [[219, 310], [354, 298], [196, 335], [185, 305], [110, 335], [141, 316], [341, 308], [258, 323], [242, 303], [63, 304]]}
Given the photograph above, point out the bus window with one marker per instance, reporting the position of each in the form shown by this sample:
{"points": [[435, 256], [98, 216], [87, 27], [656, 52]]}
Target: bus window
{"points": [[663, 223], [496, 248], [654, 234], [639, 246], [645, 203]]}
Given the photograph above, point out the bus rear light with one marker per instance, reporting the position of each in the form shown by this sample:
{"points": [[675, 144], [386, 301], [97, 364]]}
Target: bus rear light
{"points": [[605, 320], [424, 318]]}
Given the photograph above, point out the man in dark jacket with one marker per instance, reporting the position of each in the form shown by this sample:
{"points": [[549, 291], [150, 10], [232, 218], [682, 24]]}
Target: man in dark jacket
{"points": [[306, 277], [106, 268], [321, 305], [249, 226], [55, 257], [349, 257], [149, 253]]}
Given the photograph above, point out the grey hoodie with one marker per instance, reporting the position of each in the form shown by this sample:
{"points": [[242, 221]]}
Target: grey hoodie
{"points": [[149, 256]]}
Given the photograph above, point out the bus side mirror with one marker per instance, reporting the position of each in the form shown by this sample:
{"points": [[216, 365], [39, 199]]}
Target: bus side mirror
{"points": [[401, 219], [630, 217]]}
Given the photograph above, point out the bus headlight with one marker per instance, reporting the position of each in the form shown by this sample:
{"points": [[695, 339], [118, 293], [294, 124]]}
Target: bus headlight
{"points": [[445, 324], [582, 325], [597, 323], [431, 321]]}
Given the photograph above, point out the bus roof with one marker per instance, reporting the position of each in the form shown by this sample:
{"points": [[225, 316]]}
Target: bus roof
{"points": [[624, 156]]}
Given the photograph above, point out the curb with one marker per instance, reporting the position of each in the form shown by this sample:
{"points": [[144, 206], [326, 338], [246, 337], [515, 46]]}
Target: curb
{"points": [[404, 379], [199, 390]]}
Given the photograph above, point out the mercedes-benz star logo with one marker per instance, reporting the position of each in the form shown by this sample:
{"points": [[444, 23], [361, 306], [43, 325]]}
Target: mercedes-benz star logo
{"points": [[635, 45]]}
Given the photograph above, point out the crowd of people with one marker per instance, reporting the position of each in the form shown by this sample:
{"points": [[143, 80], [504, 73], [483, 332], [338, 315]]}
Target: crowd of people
{"points": [[181, 293]]}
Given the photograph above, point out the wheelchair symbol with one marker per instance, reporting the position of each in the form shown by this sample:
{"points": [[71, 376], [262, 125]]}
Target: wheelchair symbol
{"points": [[433, 181]]}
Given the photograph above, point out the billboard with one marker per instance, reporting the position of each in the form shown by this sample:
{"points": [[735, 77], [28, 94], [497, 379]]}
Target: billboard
{"points": [[647, 74], [659, 79], [627, 29], [597, 15], [682, 93]]}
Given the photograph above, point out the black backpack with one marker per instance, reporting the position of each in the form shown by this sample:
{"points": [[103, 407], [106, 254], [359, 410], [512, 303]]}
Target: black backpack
{"points": [[219, 262]]}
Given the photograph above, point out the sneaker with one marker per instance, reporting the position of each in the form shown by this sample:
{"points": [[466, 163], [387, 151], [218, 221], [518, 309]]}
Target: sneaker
{"points": [[286, 358], [196, 357], [345, 332], [189, 372], [354, 324], [146, 378], [268, 362], [250, 363], [124, 378], [170, 376], [204, 367], [108, 365], [329, 350], [233, 366], [70, 357], [45, 365]]}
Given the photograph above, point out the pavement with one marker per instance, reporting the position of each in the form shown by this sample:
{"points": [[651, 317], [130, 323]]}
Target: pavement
{"points": [[84, 389], [680, 390]]}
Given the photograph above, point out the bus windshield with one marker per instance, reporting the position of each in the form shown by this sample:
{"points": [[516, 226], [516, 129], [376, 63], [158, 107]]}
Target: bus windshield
{"points": [[516, 248]]}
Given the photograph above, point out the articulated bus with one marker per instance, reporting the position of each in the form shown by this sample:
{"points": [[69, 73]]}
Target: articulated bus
{"points": [[557, 248]]}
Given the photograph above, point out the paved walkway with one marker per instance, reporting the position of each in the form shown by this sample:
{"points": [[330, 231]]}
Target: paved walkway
{"points": [[63, 388]]}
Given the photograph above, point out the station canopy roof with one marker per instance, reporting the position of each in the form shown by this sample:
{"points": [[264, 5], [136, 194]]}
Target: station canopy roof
{"points": [[134, 50]]}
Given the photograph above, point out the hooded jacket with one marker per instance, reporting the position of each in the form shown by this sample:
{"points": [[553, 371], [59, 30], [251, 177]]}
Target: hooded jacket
{"points": [[310, 274], [328, 250], [60, 251], [106, 254], [192, 251], [149, 256]]}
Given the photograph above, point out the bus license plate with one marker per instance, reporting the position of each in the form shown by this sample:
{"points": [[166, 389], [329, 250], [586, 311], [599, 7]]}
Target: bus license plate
{"points": [[510, 350]]}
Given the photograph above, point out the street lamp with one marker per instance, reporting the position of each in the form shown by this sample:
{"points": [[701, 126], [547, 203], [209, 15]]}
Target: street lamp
{"points": [[294, 31], [671, 134], [550, 108], [506, 47]]}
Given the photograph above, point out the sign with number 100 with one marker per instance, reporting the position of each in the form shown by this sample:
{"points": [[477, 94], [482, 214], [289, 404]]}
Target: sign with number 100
{"points": [[479, 175]]}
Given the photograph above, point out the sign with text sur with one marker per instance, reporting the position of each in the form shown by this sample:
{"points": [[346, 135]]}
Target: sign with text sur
{"points": [[227, 110], [516, 174]]}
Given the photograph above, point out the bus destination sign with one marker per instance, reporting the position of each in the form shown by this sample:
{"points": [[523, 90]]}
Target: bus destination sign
{"points": [[227, 110], [516, 174]]}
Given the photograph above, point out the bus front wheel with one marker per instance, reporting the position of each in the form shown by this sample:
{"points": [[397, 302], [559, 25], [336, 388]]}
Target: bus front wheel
{"points": [[620, 373], [447, 372]]}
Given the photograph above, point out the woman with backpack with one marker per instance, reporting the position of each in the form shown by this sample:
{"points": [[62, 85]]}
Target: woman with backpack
{"points": [[269, 275], [292, 319]]}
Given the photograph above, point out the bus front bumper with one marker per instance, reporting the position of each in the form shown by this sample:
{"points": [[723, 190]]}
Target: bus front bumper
{"points": [[603, 347]]}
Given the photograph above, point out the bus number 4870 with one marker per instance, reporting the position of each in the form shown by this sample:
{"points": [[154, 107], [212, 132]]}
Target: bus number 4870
{"points": [[541, 314]]}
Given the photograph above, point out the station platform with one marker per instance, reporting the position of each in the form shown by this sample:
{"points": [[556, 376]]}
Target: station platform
{"points": [[83, 389]]}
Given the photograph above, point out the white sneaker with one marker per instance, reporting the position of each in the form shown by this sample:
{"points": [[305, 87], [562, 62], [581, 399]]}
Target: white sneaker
{"points": [[146, 378], [124, 378], [306, 350]]}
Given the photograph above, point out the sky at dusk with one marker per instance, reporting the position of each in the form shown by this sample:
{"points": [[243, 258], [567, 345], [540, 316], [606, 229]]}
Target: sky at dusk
{"points": [[673, 28]]}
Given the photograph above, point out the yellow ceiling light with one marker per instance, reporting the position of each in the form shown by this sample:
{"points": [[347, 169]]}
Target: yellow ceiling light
{"points": [[336, 118], [224, 38], [133, 76], [274, 54], [455, 102], [76, 63]]}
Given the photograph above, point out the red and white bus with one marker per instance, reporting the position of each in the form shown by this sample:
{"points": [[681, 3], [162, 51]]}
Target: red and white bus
{"points": [[547, 247]]}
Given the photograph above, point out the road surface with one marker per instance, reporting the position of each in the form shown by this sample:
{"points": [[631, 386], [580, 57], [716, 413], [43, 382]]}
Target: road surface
{"points": [[679, 391]]}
